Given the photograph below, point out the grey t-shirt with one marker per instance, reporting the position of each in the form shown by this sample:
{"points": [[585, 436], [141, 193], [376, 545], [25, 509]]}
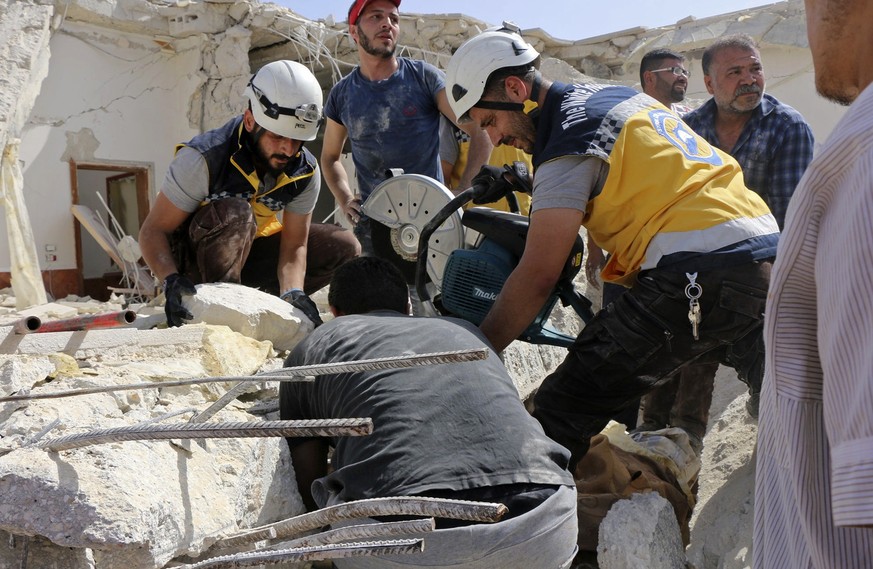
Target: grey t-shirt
{"points": [[441, 427], [568, 182], [186, 184]]}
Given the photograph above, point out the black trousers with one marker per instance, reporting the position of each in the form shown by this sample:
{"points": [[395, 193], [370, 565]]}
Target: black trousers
{"points": [[644, 337]]}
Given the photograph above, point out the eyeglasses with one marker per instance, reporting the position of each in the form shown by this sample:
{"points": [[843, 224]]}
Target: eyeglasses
{"points": [[677, 71]]}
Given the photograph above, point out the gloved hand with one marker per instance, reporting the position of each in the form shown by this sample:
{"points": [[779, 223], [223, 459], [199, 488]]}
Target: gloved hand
{"points": [[518, 175], [175, 286], [489, 185], [298, 299]]}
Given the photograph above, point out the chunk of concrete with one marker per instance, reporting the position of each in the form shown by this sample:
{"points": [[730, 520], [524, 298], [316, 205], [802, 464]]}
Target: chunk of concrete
{"points": [[250, 312], [640, 533]]}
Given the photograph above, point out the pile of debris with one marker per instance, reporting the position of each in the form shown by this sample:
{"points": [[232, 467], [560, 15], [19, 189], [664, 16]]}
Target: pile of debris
{"points": [[113, 503]]}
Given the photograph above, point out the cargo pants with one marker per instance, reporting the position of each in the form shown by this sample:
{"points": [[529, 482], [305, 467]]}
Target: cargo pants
{"points": [[218, 244], [644, 337]]}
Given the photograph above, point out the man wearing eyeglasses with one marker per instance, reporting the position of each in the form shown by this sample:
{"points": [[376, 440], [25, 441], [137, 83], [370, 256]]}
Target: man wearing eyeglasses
{"points": [[236, 204], [664, 76]]}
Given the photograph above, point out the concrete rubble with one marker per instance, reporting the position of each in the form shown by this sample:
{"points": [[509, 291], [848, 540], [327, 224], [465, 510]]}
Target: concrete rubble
{"points": [[145, 504], [640, 532]]}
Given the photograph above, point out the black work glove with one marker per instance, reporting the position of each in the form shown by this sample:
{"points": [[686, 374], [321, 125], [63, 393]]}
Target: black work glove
{"points": [[298, 299], [489, 185], [175, 286], [519, 177]]}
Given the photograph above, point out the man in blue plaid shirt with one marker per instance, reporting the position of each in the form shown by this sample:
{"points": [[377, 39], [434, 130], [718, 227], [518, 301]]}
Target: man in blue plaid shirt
{"points": [[770, 140], [773, 145]]}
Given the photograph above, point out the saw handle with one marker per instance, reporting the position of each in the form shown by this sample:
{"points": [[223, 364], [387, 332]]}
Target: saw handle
{"points": [[441, 216]]}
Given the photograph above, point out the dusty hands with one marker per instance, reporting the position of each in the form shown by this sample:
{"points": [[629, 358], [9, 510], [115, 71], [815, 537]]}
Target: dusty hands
{"points": [[352, 210], [593, 264]]}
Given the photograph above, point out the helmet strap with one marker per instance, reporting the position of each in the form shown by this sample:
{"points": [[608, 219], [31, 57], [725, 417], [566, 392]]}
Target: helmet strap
{"points": [[532, 107], [528, 107]]}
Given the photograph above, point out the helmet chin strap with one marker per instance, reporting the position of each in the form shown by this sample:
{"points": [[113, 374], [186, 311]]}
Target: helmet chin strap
{"points": [[529, 107]]}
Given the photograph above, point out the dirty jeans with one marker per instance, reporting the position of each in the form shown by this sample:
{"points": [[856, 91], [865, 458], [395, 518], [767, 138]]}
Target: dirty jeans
{"points": [[543, 538], [218, 244], [643, 338]]}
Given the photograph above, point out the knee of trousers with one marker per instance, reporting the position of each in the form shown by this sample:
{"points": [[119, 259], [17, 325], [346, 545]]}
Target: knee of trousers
{"points": [[231, 214]]}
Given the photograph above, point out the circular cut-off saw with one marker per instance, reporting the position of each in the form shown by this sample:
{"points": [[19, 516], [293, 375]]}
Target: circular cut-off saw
{"points": [[401, 206]]}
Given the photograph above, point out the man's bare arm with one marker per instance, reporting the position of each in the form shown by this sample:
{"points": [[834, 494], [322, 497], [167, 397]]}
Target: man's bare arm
{"points": [[335, 175], [310, 463], [550, 238], [154, 236], [291, 268]]}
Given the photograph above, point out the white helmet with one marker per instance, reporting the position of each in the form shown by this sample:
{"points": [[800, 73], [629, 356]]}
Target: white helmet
{"points": [[475, 60], [286, 99]]}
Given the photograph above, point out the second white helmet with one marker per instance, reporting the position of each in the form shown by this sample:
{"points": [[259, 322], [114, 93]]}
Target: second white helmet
{"points": [[286, 99], [473, 62]]}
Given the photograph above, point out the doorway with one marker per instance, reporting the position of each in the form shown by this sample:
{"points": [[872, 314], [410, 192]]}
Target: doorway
{"points": [[118, 196]]}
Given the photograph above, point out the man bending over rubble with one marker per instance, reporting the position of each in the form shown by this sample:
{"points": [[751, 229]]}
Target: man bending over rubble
{"points": [[689, 240], [217, 217], [452, 431]]}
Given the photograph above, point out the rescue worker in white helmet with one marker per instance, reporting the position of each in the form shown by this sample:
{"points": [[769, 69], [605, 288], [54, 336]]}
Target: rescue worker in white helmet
{"points": [[236, 203], [686, 237]]}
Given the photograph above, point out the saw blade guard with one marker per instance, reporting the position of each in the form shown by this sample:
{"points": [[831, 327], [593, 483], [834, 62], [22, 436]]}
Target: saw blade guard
{"points": [[405, 203]]}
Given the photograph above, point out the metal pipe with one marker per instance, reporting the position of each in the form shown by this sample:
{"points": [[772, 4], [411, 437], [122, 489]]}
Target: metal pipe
{"points": [[27, 325], [316, 553], [89, 322], [398, 506], [301, 428], [297, 373]]}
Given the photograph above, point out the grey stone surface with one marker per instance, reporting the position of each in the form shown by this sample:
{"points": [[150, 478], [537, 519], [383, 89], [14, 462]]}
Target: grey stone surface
{"points": [[640, 533]]}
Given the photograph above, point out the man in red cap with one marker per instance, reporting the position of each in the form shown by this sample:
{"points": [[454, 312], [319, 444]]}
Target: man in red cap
{"points": [[389, 109]]}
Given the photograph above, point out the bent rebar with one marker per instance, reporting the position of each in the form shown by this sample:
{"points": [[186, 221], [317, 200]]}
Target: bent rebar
{"points": [[296, 373], [243, 429], [396, 506], [315, 553]]}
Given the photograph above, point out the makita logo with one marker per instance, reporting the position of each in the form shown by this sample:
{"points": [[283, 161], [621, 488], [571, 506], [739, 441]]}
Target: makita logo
{"points": [[479, 293]]}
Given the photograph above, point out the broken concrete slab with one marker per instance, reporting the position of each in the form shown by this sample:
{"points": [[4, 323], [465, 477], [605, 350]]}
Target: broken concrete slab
{"points": [[250, 312], [640, 533]]}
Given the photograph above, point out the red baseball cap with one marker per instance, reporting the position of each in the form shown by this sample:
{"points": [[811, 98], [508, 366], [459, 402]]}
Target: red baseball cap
{"points": [[358, 7]]}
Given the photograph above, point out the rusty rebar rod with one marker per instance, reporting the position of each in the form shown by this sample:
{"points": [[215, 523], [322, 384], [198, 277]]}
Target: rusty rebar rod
{"points": [[485, 512], [244, 429], [315, 553], [89, 322], [296, 373]]}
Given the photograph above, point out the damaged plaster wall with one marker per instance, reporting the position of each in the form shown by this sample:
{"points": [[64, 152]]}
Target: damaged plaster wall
{"points": [[128, 79], [120, 90], [109, 97]]}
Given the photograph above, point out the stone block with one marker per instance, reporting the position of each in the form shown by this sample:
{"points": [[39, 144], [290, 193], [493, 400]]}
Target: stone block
{"points": [[640, 533], [250, 312]]}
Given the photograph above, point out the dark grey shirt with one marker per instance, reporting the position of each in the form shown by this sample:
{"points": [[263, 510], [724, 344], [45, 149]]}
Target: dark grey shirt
{"points": [[442, 427]]}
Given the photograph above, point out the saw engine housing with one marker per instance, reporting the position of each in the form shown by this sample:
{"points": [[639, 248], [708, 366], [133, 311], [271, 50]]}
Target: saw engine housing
{"points": [[466, 274], [474, 277]]}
